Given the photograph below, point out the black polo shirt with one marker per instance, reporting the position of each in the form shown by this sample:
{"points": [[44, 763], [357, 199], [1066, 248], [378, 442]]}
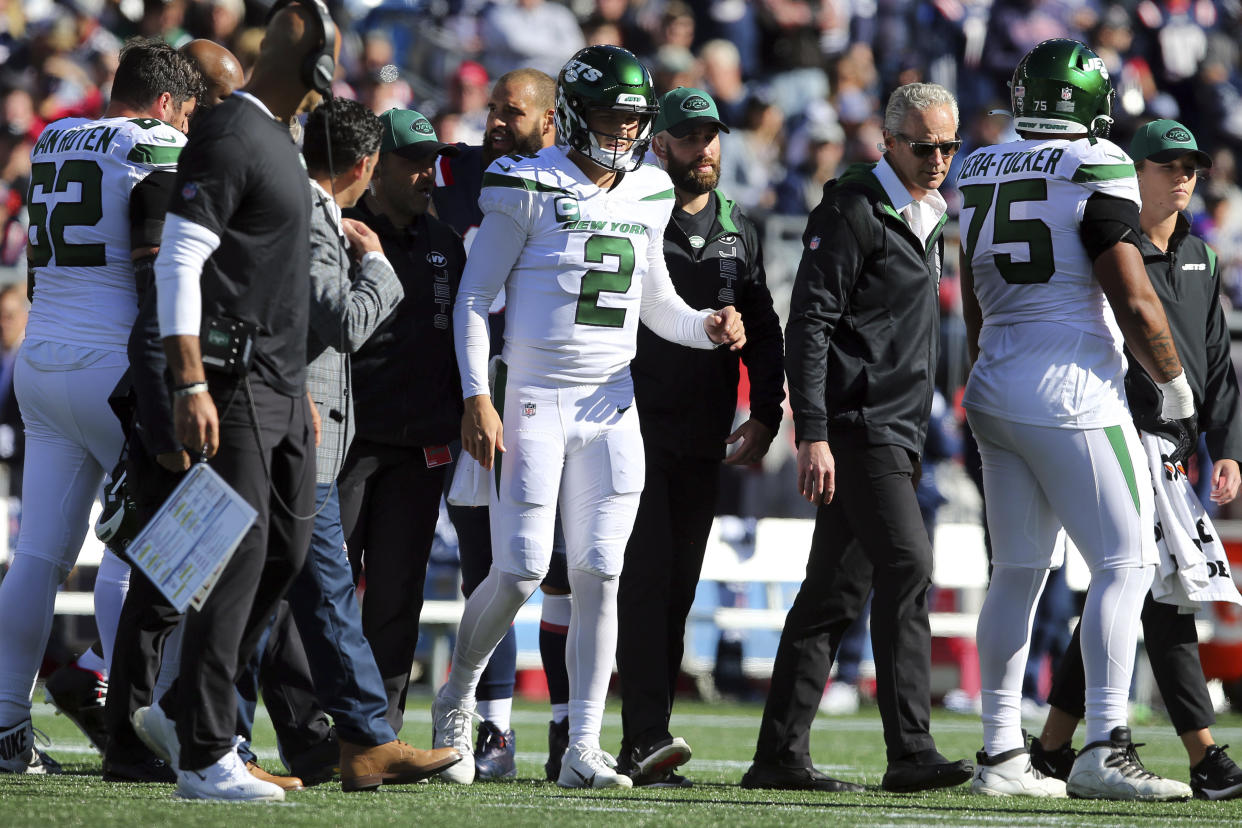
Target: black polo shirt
{"points": [[242, 177]]}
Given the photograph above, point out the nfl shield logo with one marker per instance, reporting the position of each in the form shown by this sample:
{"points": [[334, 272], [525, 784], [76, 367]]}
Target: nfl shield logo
{"points": [[814, 245], [1067, 92], [528, 409]]}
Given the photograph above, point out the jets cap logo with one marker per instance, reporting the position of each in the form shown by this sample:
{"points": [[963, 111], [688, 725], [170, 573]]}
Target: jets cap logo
{"points": [[1178, 135], [695, 103], [422, 126]]}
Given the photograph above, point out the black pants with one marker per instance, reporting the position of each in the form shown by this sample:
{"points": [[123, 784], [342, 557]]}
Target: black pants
{"points": [[222, 636], [874, 505], [145, 623], [662, 563], [1173, 648], [390, 502]]}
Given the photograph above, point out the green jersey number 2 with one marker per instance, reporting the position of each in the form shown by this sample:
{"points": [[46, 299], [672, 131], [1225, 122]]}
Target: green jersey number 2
{"points": [[1006, 230], [49, 226], [595, 282]]}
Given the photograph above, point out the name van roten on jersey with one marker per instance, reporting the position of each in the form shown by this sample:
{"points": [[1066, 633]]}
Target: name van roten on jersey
{"points": [[95, 139], [986, 164]]}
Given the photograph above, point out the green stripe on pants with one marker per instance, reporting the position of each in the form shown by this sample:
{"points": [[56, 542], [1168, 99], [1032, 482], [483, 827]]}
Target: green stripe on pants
{"points": [[1117, 439]]}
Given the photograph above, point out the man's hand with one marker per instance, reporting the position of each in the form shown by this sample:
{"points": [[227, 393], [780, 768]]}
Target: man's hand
{"points": [[362, 239], [724, 327], [755, 438], [196, 423], [817, 471], [315, 421], [1225, 480], [174, 461], [482, 434]]}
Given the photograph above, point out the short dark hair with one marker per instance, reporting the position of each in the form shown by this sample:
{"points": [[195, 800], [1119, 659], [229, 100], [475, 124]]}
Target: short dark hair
{"points": [[353, 129], [148, 68]]}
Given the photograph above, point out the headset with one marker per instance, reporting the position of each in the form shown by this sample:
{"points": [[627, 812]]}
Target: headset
{"points": [[318, 68]]}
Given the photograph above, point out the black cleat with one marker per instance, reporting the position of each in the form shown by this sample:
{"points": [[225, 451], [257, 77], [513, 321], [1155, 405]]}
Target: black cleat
{"points": [[80, 695], [1055, 763], [1216, 776], [495, 753], [558, 743]]}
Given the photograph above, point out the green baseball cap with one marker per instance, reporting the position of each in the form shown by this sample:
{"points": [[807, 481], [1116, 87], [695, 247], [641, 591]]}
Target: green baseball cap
{"points": [[1165, 140], [683, 108], [410, 135]]}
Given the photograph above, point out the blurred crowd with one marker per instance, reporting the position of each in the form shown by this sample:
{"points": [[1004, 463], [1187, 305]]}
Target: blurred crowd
{"points": [[800, 81]]}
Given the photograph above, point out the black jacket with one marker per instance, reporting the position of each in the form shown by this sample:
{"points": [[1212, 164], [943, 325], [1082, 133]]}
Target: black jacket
{"points": [[407, 391], [860, 345], [1187, 280], [687, 397]]}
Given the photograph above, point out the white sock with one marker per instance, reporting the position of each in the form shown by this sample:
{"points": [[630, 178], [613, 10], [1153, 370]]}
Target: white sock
{"points": [[589, 653], [93, 661], [27, 595], [489, 612], [1004, 639], [560, 712], [557, 610], [1110, 625], [497, 711], [111, 586], [170, 663]]}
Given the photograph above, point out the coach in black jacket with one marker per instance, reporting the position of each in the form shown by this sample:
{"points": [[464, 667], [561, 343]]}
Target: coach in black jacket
{"points": [[686, 401], [407, 397], [861, 358]]}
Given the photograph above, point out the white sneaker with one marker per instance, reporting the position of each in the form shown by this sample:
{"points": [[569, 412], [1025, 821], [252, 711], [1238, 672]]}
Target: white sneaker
{"points": [[1010, 774], [589, 767], [452, 727], [158, 732], [841, 699], [227, 780], [20, 754], [1111, 770]]}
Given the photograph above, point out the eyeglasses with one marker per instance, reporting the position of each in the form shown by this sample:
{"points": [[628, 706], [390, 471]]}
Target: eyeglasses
{"points": [[924, 149]]}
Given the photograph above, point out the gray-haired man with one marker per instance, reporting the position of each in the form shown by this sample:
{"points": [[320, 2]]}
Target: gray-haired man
{"points": [[860, 355]]}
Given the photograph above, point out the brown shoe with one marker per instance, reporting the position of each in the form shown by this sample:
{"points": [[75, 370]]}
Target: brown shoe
{"points": [[394, 763], [285, 783]]}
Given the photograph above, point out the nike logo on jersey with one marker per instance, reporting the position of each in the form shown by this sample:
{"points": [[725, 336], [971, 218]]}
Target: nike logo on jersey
{"points": [[1120, 158], [169, 140], [505, 167]]}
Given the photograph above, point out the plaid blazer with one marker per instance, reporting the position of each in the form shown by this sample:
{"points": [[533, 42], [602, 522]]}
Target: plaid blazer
{"points": [[348, 302]]}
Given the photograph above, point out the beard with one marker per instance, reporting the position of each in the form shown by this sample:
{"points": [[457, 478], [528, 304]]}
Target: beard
{"points": [[686, 177], [523, 144]]}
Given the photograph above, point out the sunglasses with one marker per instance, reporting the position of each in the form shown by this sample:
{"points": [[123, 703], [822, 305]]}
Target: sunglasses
{"points": [[924, 149]]}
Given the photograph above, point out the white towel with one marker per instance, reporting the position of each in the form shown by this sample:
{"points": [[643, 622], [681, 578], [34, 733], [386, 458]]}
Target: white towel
{"points": [[1193, 567], [470, 486]]}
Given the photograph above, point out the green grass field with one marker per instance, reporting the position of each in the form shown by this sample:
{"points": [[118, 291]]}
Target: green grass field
{"points": [[722, 737]]}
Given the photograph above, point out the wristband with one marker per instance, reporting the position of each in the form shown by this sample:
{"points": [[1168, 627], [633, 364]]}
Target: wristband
{"points": [[190, 389], [1179, 400]]}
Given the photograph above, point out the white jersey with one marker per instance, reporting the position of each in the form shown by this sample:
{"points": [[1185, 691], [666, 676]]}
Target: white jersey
{"points": [[82, 172], [586, 262], [1050, 351]]}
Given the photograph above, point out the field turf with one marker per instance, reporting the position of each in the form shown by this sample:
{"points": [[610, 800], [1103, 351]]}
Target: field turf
{"points": [[722, 736]]}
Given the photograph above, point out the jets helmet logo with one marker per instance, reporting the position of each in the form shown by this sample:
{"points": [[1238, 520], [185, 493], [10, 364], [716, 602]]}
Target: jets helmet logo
{"points": [[695, 103], [1097, 64], [577, 69]]}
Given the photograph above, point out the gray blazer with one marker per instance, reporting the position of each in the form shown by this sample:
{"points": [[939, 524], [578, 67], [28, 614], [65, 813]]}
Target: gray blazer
{"points": [[343, 314]]}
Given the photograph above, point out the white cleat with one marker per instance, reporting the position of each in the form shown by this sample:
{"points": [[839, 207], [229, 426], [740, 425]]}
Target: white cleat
{"points": [[1111, 770], [227, 780], [589, 767], [20, 754], [1010, 774], [453, 727], [158, 732]]}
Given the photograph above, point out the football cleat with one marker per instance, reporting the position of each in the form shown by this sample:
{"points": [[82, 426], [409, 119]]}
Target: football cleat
{"points": [[20, 754], [1010, 774], [495, 753], [451, 728], [158, 732], [589, 767], [1216, 776], [1111, 769], [80, 695], [558, 743]]}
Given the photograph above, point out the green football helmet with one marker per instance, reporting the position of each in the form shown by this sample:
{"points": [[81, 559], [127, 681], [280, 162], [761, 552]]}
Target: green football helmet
{"points": [[605, 77], [1061, 86]]}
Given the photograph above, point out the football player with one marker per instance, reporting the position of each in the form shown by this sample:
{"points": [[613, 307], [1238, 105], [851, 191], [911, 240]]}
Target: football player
{"points": [[83, 172], [1050, 242], [575, 236]]}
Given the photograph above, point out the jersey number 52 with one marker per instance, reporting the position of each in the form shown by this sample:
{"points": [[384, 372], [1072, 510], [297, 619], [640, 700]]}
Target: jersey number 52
{"points": [[49, 226]]}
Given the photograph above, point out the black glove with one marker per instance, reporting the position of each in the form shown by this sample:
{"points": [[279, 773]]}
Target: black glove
{"points": [[1183, 434]]}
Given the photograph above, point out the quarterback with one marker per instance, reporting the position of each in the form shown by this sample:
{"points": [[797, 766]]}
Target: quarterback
{"points": [[574, 234], [83, 173], [1050, 242]]}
